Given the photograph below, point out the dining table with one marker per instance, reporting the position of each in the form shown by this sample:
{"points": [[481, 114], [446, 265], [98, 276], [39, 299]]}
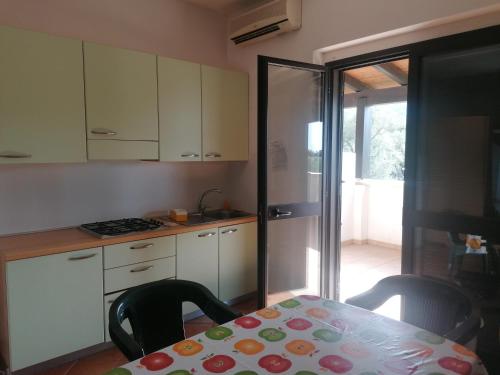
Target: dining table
{"points": [[308, 335]]}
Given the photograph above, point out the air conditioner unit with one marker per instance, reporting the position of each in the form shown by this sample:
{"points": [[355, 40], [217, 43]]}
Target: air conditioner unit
{"points": [[272, 18]]}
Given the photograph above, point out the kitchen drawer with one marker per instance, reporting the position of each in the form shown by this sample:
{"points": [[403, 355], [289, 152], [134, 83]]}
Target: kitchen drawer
{"points": [[128, 276], [127, 253], [108, 300]]}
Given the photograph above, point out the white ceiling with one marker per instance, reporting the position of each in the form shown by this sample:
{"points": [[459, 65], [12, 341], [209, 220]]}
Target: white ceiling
{"points": [[226, 7]]}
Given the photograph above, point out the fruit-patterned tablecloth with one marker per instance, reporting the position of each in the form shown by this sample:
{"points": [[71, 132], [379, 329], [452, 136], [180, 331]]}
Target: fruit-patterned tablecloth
{"points": [[309, 335]]}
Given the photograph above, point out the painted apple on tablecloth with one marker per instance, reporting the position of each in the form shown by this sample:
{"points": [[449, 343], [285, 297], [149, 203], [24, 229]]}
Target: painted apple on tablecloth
{"points": [[299, 324], [413, 348], [402, 366], [156, 361], [187, 348], [300, 347], [247, 322], [269, 313], [455, 365], [463, 350], [335, 363], [218, 333], [327, 335], [180, 372], [343, 325], [275, 363], [219, 363], [119, 371], [249, 346], [272, 334], [318, 313], [290, 303], [355, 349], [429, 337]]}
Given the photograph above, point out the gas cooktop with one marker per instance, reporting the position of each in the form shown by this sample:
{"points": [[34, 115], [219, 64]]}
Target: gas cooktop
{"points": [[120, 227]]}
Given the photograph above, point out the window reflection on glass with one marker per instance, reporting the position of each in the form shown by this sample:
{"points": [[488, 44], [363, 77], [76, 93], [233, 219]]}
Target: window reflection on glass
{"points": [[314, 146], [387, 123], [349, 130]]}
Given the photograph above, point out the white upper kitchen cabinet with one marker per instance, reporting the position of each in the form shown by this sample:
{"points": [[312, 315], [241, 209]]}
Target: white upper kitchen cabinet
{"points": [[237, 260], [224, 114], [179, 102], [42, 113], [121, 102], [55, 305]]}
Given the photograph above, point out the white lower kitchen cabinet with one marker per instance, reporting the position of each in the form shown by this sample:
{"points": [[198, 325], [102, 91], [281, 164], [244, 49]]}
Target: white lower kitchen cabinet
{"points": [[55, 305], [198, 260], [108, 301], [237, 260]]}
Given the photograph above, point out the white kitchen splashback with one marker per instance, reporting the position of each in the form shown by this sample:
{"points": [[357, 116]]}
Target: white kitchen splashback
{"points": [[39, 197]]}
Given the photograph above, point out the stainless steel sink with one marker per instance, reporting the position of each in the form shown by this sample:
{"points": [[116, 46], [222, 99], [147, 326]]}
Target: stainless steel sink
{"points": [[197, 219], [211, 216], [226, 214]]}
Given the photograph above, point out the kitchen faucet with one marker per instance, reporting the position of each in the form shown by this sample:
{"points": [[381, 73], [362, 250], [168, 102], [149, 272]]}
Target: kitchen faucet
{"points": [[201, 207]]}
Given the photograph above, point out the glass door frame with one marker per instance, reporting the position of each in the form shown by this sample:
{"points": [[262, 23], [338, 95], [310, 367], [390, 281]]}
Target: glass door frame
{"points": [[412, 217], [262, 111], [336, 70]]}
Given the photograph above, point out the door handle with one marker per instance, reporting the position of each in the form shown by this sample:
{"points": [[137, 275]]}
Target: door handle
{"points": [[278, 213]]}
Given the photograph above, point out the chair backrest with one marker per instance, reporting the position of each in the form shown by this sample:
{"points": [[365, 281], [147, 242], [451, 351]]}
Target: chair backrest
{"points": [[428, 303], [154, 311]]}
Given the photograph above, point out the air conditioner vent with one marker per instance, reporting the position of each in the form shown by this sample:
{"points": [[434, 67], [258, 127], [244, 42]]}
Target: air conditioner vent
{"points": [[257, 33], [265, 21]]}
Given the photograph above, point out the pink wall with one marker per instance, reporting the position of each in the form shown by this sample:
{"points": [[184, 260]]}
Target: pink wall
{"points": [[171, 28], [35, 197]]}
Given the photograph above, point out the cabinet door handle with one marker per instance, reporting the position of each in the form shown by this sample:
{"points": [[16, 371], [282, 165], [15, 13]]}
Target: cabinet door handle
{"points": [[141, 269], [102, 131], [190, 155], [14, 155], [142, 246], [82, 257], [208, 234], [228, 231], [213, 155]]}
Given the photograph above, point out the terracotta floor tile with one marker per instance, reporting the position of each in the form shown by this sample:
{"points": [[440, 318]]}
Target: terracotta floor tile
{"points": [[106, 360]]}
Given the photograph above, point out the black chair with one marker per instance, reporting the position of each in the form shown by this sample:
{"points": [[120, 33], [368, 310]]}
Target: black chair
{"points": [[154, 311], [431, 304]]}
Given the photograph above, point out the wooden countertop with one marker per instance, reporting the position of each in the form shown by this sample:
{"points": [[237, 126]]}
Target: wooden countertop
{"points": [[22, 246]]}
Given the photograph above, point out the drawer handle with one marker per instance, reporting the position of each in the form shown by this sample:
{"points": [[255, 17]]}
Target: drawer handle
{"points": [[102, 131], [111, 301], [213, 155], [209, 234], [190, 155], [14, 155], [82, 257], [141, 269], [141, 246], [228, 231]]}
